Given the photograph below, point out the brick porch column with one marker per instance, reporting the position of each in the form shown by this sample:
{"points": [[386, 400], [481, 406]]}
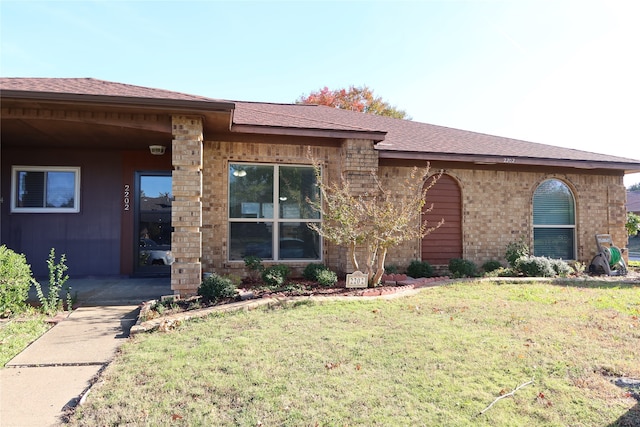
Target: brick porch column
{"points": [[358, 159], [186, 212]]}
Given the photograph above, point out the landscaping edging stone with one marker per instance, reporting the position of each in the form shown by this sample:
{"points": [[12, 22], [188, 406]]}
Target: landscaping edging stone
{"points": [[393, 289], [404, 288]]}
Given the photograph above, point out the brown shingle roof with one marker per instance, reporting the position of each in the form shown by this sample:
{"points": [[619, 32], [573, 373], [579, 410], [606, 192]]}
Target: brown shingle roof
{"points": [[297, 116], [90, 86], [405, 136], [399, 138], [633, 201]]}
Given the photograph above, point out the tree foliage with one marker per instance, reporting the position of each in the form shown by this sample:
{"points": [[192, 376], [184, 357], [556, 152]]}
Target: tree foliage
{"points": [[360, 99], [633, 224], [634, 187], [377, 220]]}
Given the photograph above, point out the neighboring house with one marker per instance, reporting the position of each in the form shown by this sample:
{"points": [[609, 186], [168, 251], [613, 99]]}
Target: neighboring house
{"points": [[78, 174], [633, 202]]}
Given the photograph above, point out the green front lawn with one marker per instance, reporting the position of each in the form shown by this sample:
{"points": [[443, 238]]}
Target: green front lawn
{"points": [[435, 359], [18, 332]]}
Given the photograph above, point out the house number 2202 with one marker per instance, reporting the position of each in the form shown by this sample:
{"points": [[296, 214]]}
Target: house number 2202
{"points": [[127, 197]]}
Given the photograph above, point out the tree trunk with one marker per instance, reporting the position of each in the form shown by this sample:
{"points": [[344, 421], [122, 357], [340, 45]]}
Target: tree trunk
{"points": [[372, 253], [380, 267], [352, 256]]}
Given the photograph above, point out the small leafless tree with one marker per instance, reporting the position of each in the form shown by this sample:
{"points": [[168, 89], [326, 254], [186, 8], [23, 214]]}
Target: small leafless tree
{"points": [[377, 220]]}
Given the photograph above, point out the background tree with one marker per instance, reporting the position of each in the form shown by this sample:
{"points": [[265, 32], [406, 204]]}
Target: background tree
{"points": [[359, 99], [375, 221], [634, 187], [633, 224]]}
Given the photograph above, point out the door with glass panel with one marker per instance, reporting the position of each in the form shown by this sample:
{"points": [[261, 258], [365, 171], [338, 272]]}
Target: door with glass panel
{"points": [[153, 223]]}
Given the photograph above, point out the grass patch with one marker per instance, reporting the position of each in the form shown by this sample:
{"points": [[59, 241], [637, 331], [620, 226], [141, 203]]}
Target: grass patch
{"points": [[437, 359], [17, 333]]}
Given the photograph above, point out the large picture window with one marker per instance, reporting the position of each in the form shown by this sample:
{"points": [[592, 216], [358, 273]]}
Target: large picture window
{"points": [[45, 189], [554, 221], [269, 213]]}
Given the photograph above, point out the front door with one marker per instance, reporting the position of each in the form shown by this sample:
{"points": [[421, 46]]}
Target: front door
{"points": [[153, 224]]}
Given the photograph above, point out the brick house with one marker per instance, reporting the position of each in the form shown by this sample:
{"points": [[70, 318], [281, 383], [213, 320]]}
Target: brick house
{"points": [[128, 180], [633, 202]]}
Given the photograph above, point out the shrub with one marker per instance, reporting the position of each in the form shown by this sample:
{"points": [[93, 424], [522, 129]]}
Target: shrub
{"points": [[504, 272], [419, 269], [515, 251], [254, 265], [459, 267], [15, 281], [276, 275], [491, 265], [326, 277], [52, 302], [392, 269], [215, 288], [561, 268], [535, 267], [320, 273], [310, 272]]}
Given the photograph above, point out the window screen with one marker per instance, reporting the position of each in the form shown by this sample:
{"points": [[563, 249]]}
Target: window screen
{"points": [[554, 220]]}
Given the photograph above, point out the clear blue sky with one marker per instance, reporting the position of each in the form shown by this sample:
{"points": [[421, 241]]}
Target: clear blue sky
{"points": [[558, 72]]}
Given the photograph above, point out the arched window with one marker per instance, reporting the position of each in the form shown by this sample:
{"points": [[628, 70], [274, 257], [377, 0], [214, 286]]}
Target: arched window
{"points": [[554, 221]]}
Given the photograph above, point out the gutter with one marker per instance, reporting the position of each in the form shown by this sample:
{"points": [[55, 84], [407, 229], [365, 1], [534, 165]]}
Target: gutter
{"points": [[494, 160], [115, 101]]}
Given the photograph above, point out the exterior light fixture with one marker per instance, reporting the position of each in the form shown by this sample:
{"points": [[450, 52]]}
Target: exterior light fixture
{"points": [[157, 150]]}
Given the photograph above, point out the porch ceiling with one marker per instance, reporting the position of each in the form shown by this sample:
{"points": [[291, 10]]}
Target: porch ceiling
{"points": [[37, 124]]}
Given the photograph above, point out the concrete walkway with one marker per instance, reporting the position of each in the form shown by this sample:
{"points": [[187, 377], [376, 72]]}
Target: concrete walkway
{"points": [[39, 384]]}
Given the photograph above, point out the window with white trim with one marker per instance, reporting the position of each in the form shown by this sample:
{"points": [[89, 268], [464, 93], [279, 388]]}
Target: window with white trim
{"points": [[554, 221], [45, 189], [269, 213]]}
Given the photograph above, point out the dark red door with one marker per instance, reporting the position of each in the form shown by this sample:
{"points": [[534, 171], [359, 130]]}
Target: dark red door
{"points": [[445, 243]]}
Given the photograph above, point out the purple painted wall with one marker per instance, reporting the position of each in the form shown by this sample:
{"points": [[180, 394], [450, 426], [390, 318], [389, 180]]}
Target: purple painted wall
{"points": [[91, 238]]}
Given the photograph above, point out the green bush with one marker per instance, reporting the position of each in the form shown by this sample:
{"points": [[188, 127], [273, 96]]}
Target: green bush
{"points": [[15, 281], [320, 273], [310, 272], [392, 269], [535, 267], [459, 267], [52, 303], [276, 275], [215, 288], [561, 268], [254, 265], [515, 251], [419, 269], [491, 265], [504, 272], [326, 277]]}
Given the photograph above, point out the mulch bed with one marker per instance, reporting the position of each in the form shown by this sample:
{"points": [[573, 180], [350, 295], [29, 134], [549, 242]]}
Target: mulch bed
{"points": [[252, 290], [392, 284]]}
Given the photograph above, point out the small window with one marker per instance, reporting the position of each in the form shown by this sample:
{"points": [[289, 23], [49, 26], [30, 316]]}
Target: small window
{"points": [[38, 189]]}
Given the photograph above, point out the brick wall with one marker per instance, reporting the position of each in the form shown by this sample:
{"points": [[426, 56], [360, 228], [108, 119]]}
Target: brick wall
{"points": [[186, 213], [496, 204], [497, 209]]}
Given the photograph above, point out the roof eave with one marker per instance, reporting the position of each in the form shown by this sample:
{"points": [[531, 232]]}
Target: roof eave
{"points": [[129, 101], [509, 160], [375, 136]]}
